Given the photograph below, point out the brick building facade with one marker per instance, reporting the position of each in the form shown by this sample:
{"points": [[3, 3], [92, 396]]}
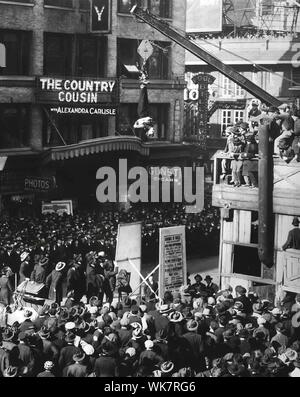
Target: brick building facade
{"points": [[52, 39]]}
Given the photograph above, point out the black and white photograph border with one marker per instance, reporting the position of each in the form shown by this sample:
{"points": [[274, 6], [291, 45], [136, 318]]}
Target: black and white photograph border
{"points": [[149, 191]]}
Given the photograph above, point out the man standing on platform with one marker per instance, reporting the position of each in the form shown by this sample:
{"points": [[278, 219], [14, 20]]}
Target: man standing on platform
{"points": [[293, 241]]}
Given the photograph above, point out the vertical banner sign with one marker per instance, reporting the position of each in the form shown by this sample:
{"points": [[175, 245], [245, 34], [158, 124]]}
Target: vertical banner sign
{"points": [[100, 16], [172, 259], [203, 80]]}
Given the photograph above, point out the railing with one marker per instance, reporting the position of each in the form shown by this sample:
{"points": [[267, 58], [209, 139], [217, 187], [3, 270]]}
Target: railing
{"points": [[223, 162]]}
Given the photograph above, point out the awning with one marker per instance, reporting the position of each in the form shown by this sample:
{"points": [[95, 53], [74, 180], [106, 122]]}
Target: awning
{"points": [[95, 146]]}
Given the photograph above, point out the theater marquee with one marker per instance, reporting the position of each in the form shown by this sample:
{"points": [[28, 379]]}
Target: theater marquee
{"points": [[78, 95]]}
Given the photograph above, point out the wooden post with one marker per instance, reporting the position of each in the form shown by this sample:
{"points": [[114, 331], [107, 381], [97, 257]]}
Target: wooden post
{"points": [[266, 218]]}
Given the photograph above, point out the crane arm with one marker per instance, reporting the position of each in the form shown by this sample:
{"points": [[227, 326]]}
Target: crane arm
{"points": [[164, 28]]}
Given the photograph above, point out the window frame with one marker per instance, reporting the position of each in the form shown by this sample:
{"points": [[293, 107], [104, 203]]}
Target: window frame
{"points": [[23, 54], [226, 123], [164, 65], [238, 115], [101, 44], [22, 128], [68, 44], [64, 7], [147, 4]]}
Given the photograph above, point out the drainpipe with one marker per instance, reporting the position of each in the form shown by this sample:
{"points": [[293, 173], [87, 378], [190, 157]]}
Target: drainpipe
{"points": [[266, 216]]}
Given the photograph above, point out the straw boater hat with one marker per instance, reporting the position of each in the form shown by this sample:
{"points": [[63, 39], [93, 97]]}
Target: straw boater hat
{"points": [[176, 317], [48, 365], [24, 256], [70, 326], [131, 351], [44, 261], [165, 309], [167, 367], [44, 333], [8, 335], [60, 266], [192, 326], [78, 357], [10, 372]]}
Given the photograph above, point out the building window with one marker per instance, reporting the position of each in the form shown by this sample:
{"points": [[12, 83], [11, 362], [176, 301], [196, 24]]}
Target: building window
{"points": [[239, 115], [124, 6], [246, 261], [159, 113], [57, 54], [231, 89], [226, 121], [296, 76], [59, 3], [267, 7], [84, 4], [17, 45], [14, 126], [74, 129], [161, 8], [91, 56], [239, 92], [158, 63], [228, 89]]}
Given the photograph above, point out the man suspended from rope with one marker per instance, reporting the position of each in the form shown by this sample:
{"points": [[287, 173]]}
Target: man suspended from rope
{"points": [[144, 126]]}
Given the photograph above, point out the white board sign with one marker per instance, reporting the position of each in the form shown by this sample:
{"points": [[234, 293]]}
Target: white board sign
{"points": [[145, 49], [2, 56], [129, 246], [172, 259], [68, 202], [57, 208]]}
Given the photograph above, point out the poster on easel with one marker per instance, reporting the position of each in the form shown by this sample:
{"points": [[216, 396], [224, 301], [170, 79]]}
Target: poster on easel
{"points": [[172, 259], [129, 252]]}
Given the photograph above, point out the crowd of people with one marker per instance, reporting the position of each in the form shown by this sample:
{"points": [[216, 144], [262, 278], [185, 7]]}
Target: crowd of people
{"points": [[250, 34], [243, 138], [200, 331], [63, 251]]}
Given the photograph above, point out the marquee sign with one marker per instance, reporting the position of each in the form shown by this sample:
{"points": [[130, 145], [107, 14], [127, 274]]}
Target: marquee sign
{"points": [[76, 91]]}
